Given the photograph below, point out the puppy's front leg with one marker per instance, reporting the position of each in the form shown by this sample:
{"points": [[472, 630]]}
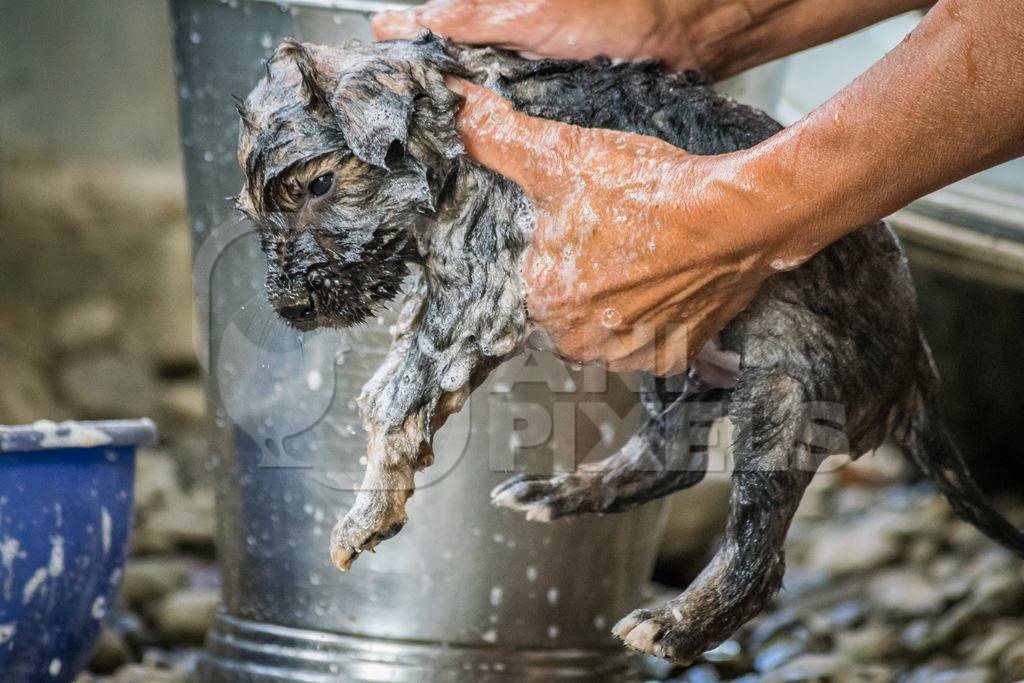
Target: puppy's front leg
{"points": [[379, 509], [394, 454], [402, 406]]}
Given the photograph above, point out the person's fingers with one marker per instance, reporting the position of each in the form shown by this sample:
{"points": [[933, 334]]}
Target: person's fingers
{"points": [[464, 21], [537, 154], [395, 24]]}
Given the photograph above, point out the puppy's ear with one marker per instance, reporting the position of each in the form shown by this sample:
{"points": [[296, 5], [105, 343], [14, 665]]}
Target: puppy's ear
{"points": [[397, 95], [312, 80], [375, 103]]}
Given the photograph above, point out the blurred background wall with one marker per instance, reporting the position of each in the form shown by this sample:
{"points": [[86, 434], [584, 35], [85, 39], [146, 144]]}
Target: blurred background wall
{"points": [[88, 79]]}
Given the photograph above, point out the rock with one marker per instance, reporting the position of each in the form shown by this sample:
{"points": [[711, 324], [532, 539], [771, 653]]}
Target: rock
{"points": [[189, 524], [924, 636], [148, 580], [696, 674], [837, 618], [183, 401], [923, 550], [165, 326], [169, 517], [998, 592], [181, 661], [25, 394], [110, 385], [868, 644], [156, 479], [1011, 662], [806, 668], [965, 537], [931, 674], [985, 651], [87, 324], [111, 652], [138, 673], [186, 615], [779, 651], [905, 593], [875, 673], [864, 544]]}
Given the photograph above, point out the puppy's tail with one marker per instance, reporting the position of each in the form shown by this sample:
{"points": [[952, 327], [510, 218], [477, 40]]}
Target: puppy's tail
{"points": [[933, 449]]}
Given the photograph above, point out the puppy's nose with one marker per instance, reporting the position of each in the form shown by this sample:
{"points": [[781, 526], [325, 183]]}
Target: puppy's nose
{"points": [[297, 311]]}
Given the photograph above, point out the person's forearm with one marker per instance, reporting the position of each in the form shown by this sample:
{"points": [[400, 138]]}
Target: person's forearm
{"points": [[736, 35], [945, 103]]}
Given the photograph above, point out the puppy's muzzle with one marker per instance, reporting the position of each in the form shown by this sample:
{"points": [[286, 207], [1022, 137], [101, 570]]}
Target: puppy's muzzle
{"points": [[300, 312]]}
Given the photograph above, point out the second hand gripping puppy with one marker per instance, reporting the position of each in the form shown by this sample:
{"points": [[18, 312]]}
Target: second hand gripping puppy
{"points": [[355, 177]]}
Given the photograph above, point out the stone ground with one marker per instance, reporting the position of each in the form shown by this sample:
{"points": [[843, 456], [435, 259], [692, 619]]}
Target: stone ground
{"points": [[884, 585]]}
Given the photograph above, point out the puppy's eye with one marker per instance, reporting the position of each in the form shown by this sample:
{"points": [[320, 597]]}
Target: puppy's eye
{"points": [[320, 186]]}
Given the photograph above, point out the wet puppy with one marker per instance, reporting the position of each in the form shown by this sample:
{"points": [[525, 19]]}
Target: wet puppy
{"points": [[354, 175]]}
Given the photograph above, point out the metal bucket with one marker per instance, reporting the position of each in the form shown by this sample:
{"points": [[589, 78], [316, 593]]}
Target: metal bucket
{"points": [[465, 592]]}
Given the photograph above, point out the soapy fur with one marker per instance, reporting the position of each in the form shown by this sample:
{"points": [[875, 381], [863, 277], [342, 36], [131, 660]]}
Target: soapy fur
{"points": [[839, 331]]}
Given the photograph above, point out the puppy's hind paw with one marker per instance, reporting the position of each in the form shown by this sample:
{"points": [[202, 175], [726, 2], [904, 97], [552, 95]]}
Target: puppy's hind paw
{"points": [[660, 633], [541, 497], [354, 534]]}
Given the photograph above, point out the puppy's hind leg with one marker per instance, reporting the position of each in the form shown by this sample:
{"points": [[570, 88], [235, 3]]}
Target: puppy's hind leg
{"points": [[668, 454], [772, 469]]}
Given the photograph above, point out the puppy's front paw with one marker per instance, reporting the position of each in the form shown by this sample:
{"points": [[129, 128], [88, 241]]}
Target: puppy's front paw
{"points": [[359, 531], [542, 498], [662, 632]]}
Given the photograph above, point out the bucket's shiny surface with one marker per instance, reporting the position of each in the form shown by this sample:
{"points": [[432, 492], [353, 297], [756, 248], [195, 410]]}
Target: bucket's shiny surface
{"points": [[465, 592]]}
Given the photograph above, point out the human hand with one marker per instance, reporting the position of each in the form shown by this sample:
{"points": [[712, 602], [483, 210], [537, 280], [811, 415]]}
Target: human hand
{"points": [[571, 29], [641, 252], [721, 37]]}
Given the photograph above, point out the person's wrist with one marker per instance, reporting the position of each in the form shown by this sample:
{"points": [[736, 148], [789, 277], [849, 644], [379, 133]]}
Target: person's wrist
{"points": [[779, 216]]}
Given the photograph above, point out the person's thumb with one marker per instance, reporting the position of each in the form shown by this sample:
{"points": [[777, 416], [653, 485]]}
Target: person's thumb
{"points": [[535, 153]]}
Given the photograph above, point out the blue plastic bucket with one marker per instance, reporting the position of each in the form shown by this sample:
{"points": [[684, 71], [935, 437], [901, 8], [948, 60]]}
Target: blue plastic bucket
{"points": [[65, 518]]}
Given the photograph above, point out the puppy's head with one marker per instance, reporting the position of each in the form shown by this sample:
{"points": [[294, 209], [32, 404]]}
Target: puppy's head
{"points": [[343, 149]]}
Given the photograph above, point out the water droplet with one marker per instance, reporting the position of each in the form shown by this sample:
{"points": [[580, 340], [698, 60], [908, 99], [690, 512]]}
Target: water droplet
{"points": [[195, 38], [611, 318], [496, 595], [99, 608], [314, 380], [783, 264]]}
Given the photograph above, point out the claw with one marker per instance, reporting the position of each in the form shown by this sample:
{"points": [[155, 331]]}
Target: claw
{"points": [[349, 540]]}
